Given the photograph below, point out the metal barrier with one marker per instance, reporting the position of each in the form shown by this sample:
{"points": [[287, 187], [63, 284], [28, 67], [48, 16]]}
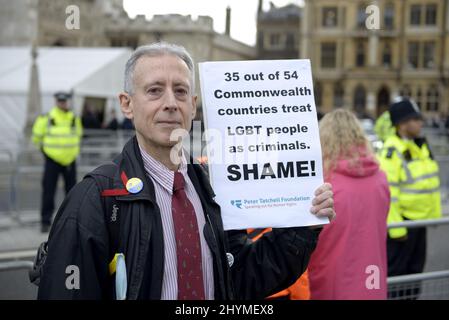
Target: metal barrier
{"points": [[26, 172], [424, 286], [7, 165], [15, 265], [419, 223], [443, 162]]}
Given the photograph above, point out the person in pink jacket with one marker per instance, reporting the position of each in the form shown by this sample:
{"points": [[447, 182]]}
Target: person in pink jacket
{"points": [[350, 260]]}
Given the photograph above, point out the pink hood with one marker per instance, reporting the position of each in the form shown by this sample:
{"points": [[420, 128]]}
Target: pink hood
{"points": [[364, 167]]}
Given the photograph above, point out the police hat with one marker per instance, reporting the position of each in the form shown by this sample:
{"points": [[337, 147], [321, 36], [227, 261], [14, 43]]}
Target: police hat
{"points": [[403, 110], [62, 96]]}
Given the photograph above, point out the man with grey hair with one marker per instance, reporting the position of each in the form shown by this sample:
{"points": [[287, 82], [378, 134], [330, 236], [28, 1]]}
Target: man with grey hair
{"points": [[147, 226]]}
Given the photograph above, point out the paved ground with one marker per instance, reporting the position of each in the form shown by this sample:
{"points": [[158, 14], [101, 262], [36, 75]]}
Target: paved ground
{"points": [[15, 286]]}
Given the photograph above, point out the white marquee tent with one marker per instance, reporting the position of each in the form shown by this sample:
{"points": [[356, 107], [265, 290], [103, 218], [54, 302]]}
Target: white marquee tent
{"points": [[86, 72]]}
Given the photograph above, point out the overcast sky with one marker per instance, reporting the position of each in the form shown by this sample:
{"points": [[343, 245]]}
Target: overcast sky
{"points": [[243, 12]]}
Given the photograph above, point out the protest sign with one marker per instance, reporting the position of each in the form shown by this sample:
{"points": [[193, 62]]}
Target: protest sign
{"points": [[263, 144]]}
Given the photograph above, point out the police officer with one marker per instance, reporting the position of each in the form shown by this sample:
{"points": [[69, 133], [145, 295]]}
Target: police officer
{"points": [[414, 183], [57, 134]]}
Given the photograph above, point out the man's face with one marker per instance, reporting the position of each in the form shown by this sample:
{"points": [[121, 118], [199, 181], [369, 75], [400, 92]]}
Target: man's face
{"points": [[162, 100], [63, 104], [413, 127]]}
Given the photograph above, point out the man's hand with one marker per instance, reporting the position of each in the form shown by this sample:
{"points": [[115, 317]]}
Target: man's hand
{"points": [[323, 203]]}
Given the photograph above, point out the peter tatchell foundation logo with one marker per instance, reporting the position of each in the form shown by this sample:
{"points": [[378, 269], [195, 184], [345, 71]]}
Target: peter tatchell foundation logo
{"points": [[237, 203]]}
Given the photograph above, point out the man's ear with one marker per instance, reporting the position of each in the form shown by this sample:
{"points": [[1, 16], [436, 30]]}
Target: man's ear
{"points": [[126, 105], [194, 99]]}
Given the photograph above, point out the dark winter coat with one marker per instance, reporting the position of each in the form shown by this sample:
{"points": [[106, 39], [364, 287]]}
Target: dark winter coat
{"points": [[80, 237]]}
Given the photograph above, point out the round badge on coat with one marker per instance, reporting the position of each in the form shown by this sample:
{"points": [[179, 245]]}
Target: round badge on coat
{"points": [[134, 185]]}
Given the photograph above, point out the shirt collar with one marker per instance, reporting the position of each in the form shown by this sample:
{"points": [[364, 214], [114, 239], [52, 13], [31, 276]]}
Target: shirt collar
{"points": [[159, 172]]}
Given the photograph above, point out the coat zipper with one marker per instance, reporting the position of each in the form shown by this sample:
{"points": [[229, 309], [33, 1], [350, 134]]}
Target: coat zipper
{"points": [[220, 266]]}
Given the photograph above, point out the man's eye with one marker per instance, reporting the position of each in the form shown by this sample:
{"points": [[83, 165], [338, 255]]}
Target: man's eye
{"points": [[181, 91], [154, 90]]}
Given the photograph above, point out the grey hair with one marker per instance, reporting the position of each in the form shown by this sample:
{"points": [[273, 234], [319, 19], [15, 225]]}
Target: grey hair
{"points": [[155, 50]]}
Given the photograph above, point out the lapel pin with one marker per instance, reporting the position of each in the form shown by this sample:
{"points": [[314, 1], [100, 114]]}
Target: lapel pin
{"points": [[134, 185]]}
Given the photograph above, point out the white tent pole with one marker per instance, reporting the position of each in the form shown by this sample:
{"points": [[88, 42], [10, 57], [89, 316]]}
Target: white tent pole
{"points": [[34, 98]]}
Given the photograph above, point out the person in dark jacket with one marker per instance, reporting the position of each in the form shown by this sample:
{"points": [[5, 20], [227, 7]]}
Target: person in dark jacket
{"points": [[89, 118], [171, 239], [113, 122], [127, 124]]}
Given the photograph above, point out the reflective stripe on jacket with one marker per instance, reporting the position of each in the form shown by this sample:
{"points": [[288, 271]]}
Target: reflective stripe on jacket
{"points": [[414, 181], [58, 134]]}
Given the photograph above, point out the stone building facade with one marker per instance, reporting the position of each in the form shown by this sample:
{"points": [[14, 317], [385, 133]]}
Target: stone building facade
{"points": [[278, 31], [105, 23], [364, 68]]}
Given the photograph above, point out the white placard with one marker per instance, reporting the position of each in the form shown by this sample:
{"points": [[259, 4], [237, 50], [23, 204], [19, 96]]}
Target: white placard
{"points": [[263, 143]]}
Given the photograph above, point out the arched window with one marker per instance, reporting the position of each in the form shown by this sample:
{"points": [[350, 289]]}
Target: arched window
{"points": [[419, 98], [389, 16], [432, 98], [405, 92], [360, 55], [361, 16], [383, 100], [290, 43], [330, 16], [386, 55], [359, 99], [339, 93], [59, 43]]}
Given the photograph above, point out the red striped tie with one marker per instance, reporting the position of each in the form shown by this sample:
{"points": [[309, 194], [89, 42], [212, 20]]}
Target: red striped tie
{"points": [[188, 246]]}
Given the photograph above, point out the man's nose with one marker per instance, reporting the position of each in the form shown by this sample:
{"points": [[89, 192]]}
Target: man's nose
{"points": [[170, 102]]}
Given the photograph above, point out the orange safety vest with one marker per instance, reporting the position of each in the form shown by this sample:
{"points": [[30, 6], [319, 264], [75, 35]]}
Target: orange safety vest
{"points": [[300, 290]]}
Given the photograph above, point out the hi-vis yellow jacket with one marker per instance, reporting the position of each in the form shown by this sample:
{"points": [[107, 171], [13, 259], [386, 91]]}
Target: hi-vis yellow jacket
{"points": [[414, 182], [58, 134], [383, 127]]}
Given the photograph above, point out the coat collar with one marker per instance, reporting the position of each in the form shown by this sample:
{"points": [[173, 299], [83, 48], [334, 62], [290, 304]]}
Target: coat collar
{"points": [[131, 163]]}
